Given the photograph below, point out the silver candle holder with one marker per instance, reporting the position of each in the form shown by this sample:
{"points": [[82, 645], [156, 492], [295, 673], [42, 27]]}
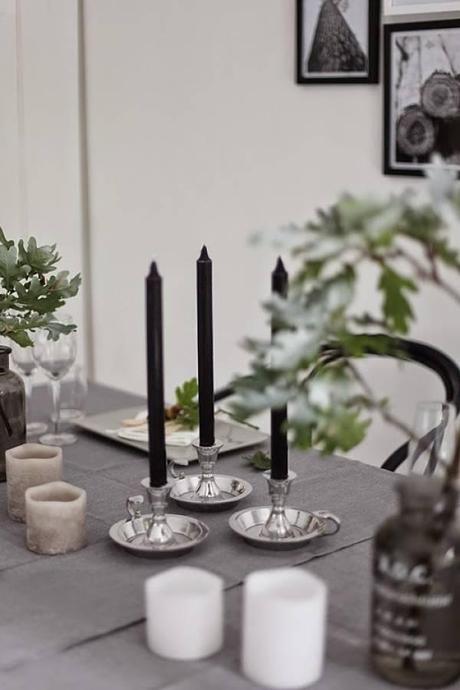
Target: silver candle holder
{"points": [[207, 488], [208, 491], [157, 533], [278, 527]]}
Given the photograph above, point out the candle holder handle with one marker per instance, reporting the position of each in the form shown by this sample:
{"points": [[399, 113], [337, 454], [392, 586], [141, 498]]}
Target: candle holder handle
{"points": [[174, 473], [134, 506], [207, 488], [277, 526], [159, 533]]}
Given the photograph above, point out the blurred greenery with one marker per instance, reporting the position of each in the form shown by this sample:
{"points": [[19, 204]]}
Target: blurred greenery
{"points": [[393, 247]]}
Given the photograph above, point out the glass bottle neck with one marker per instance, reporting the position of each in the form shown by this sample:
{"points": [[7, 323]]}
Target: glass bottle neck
{"points": [[4, 359], [428, 504], [438, 513]]}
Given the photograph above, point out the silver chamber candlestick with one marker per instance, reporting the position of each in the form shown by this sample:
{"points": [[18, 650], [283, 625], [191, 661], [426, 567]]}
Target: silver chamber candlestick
{"points": [[208, 491], [157, 533], [207, 488], [278, 527]]}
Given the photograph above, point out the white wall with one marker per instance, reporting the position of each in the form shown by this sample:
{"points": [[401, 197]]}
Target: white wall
{"points": [[40, 173], [197, 133], [9, 166]]}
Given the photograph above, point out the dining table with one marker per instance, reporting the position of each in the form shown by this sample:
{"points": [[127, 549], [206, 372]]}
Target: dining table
{"points": [[76, 621]]}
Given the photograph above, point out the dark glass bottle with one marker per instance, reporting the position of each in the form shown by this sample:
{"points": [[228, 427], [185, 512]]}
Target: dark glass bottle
{"points": [[416, 588], [12, 408]]}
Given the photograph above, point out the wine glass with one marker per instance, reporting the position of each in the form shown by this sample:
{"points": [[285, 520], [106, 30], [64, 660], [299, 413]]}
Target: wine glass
{"points": [[74, 390], [55, 358], [432, 448], [24, 361]]}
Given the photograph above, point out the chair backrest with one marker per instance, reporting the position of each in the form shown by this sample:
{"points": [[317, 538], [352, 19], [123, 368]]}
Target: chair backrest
{"points": [[409, 351], [421, 353]]}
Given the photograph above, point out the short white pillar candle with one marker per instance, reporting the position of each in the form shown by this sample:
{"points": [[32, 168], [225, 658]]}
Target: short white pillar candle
{"points": [[184, 613], [29, 465], [284, 627], [56, 518]]}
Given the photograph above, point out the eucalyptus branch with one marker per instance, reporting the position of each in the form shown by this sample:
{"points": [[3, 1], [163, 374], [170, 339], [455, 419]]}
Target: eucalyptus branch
{"points": [[431, 276], [236, 418], [376, 405]]}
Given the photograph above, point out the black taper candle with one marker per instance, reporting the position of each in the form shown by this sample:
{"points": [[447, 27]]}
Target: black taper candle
{"points": [[205, 348], [155, 391], [278, 417]]}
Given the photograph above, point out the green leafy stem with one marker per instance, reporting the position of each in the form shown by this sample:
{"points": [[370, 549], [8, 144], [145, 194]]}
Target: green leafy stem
{"points": [[32, 290]]}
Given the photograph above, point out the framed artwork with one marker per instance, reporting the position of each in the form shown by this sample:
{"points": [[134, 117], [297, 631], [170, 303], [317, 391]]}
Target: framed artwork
{"points": [[422, 95], [404, 7], [338, 41]]}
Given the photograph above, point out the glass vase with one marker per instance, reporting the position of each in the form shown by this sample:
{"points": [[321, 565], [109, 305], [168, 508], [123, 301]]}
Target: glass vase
{"points": [[12, 408]]}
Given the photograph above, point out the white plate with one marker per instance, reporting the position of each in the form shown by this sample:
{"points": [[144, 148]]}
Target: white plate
{"points": [[234, 436]]}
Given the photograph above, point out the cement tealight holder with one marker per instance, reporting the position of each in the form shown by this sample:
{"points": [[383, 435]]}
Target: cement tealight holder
{"points": [[29, 465], [56, 518]]}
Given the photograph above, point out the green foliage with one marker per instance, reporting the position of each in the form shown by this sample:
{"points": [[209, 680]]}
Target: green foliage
{"points": [[187, 404], [31, 290], [402, 244], [259, 460], [396, 307]]}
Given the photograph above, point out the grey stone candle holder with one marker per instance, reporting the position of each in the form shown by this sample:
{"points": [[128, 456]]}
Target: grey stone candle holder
{"points": [[56, 518], [30, 464]]}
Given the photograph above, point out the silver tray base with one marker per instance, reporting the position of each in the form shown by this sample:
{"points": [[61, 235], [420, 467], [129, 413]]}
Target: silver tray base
{"points": [[131, 536], [233, 490], [248, 523]]}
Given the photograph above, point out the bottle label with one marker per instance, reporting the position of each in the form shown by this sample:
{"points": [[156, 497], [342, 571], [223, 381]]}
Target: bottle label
{"points": [[415, 610]]}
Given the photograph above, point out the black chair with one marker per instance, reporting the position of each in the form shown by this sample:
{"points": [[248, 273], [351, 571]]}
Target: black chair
{"points": [[420, 353], [409, 351]]}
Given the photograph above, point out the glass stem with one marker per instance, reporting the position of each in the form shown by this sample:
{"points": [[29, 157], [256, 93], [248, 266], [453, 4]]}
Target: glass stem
{"points": [[56, 389], [27, 378]]}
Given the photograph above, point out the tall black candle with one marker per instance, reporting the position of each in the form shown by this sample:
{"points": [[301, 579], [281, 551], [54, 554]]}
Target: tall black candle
{"points": [[155, 392], [205, 348], [278, 418]]}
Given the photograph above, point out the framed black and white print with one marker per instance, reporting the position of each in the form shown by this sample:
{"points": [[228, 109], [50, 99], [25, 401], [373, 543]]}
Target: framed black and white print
{"points": [[338, 41], [422, 95], [398, 8]]}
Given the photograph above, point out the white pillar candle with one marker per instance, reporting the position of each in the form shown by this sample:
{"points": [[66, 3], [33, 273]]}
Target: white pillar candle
{"points": [[284, 626], [184, 613], [55, 517], [29, 465]]}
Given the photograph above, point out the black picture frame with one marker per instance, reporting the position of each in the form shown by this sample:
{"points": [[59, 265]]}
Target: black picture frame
{"points": [[372, 74], [394, 162]]}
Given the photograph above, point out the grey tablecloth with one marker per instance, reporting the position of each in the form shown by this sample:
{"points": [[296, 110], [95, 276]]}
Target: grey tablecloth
{"points": [[76, 621]]}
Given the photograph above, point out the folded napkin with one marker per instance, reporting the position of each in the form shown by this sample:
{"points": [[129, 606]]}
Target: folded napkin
{"points": [[139, 432], [176, 438]]}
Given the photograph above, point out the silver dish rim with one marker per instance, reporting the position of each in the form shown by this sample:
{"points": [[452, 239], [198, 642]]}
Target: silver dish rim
{"points": [[289, 542], [202, 506], [152, 551]]}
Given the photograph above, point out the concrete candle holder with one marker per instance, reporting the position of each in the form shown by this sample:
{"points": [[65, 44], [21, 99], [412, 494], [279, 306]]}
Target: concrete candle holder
{"points": [[29, 465], [55, 517]]}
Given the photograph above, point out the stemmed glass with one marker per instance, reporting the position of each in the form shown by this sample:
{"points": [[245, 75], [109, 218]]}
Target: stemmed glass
{"points": [[24, 360], [74, 389], [433, 444], [55, 357]]}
